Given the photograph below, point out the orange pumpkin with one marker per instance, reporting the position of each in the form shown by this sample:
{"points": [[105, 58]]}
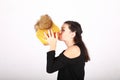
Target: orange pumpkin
{"points": [[43, 25]]}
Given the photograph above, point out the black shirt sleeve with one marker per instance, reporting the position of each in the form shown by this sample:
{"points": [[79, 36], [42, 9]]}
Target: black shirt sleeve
{"points": [[54, 63]]}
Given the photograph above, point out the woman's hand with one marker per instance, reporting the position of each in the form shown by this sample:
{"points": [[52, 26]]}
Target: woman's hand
{"points": [[51, 39]]}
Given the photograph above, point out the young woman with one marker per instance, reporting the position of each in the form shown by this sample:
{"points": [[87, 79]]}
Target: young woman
{"points": [[71, 62]]}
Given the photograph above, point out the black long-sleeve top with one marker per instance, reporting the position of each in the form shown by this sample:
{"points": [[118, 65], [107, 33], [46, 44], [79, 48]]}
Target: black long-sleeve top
{"points": [[68, 69]]}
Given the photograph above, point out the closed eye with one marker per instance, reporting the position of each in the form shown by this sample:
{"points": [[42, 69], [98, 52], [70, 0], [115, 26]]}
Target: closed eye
{"points": [[62, 30]]}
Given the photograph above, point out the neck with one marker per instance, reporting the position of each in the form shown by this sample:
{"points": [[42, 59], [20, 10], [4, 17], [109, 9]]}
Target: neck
{"points": [[69, 43]]}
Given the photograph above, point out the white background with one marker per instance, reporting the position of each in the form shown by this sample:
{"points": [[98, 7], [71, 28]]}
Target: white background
{"points": [[23, 57]]}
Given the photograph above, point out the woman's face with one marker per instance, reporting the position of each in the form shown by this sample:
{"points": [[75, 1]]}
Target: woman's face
{"points": [[65, 33]]}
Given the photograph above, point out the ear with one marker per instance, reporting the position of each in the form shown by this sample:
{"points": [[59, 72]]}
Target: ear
{"points": [[73, 34]]}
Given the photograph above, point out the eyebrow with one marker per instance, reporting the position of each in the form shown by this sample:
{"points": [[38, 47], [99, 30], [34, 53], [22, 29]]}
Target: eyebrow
{"points": [[63, 27]]}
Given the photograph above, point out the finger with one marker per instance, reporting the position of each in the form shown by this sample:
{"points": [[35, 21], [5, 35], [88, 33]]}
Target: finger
{"points": [[52, 33], [49, 33], [56, 35], [45, 35]]}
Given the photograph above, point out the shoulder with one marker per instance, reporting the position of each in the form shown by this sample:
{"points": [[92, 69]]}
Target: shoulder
{"points": [[72, 52]]}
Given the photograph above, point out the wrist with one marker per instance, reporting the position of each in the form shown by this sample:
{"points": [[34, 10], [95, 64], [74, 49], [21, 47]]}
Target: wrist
{"points": [[52, 48]]}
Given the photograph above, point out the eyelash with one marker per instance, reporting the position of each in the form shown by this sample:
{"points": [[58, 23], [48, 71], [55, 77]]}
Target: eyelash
{"points": [[62, 30]]}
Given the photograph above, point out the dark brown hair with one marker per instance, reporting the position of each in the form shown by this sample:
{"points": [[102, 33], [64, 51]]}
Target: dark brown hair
{"points": [[76, 27]]}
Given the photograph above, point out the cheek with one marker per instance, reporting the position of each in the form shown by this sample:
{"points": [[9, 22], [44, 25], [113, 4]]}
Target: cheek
{"points": [[64, 36]]}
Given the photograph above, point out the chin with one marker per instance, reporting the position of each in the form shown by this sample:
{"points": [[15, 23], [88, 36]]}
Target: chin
{"points": [[60, 39]]}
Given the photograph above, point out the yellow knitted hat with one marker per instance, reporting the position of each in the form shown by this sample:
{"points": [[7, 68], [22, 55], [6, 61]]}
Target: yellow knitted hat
{"points": [[43, 25]]}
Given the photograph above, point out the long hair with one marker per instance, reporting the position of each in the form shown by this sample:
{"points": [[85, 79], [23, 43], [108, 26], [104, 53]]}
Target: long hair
{"points": [[76, 27]]}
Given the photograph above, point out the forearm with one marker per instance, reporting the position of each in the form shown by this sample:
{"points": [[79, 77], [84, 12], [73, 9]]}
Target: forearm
{"points": [[54, 63], [50, 61]]}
